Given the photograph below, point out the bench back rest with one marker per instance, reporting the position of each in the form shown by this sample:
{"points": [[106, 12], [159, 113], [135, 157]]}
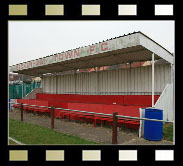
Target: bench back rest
{"points": [[100, 99]]}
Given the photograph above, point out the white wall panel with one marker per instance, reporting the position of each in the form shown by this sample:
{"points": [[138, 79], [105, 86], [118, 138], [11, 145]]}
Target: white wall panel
{"points": [[124, 79], [47, 84], [51, 83], [136, 80], [165, 102]]}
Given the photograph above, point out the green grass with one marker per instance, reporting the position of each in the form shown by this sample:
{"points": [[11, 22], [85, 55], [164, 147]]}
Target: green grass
{"points": [[168, 131], [12, 142], [33, 134]]}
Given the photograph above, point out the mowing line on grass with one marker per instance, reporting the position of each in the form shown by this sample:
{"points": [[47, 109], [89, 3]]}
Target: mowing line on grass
{"points": [[20, 143]]}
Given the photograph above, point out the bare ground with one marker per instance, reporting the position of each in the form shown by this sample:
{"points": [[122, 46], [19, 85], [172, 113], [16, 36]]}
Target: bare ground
{"points": [[100, 134]]}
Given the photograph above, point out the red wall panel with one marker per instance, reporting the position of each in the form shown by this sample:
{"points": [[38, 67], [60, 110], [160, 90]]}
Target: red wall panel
{"points": [[145, 100]]}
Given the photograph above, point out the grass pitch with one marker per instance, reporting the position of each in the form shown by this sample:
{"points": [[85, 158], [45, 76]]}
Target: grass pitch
{"points": [[33, 134]]}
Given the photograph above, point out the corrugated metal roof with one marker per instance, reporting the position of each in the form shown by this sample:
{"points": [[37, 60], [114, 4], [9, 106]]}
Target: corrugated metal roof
{"points": [[133, 47], [160, 61]]}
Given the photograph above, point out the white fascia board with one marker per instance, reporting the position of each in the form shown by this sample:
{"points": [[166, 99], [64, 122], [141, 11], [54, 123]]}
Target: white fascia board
{"points": [[102, 47], [156, 48]]}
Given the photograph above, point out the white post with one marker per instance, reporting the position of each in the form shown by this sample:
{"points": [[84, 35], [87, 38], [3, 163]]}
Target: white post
{"points": [[153, 80], [75, 81], [22, 86], [173, 82], [98, 89], [56, 83], [42, 83]]}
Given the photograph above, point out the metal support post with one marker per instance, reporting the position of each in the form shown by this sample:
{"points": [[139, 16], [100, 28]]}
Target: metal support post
{"points": [[114, 130], [98, 83], [75, 81], [52, 116], [153, 80], [22, 86], [56, 80], [22, 111], [173, 82]]}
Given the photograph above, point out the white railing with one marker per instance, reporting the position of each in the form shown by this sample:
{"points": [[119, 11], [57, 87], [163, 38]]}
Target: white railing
{"points": [[32, 94], [165, 102]]}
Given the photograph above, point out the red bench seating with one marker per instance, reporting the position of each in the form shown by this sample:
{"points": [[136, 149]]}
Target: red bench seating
{"points": [[40, 103], [145, 100], [33, 102], [127, 105]]}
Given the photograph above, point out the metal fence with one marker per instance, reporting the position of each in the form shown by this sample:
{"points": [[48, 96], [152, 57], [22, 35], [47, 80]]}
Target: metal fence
{"points": [[15, 90], [113, 116]]}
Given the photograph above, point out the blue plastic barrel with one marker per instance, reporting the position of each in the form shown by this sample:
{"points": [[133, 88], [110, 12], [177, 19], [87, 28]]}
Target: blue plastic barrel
{"points": [[153, 131]]}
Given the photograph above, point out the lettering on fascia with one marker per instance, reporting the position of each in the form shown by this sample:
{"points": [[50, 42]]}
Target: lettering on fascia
{"points": [[72, 54], [35, 63], [66, 55], [103, 47]]}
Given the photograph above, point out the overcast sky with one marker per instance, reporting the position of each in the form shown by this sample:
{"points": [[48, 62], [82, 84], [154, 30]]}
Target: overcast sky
{"points": [[29, 40]]}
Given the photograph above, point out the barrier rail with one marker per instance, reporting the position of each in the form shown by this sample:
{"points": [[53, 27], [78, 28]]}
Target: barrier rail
{"points": [[115, 117], [120, 116]]}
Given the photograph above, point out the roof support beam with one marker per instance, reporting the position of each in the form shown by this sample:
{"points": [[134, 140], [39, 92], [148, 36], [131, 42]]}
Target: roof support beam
{"points": [[75, 81], [22, 86], [156, 48]]}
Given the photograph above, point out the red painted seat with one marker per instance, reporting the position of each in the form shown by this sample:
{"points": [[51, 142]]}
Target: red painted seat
{"points": [[127, 105]]}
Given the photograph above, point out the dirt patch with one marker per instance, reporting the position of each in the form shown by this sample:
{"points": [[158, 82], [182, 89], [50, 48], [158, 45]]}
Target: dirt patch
{"points": [[100, 134]]}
